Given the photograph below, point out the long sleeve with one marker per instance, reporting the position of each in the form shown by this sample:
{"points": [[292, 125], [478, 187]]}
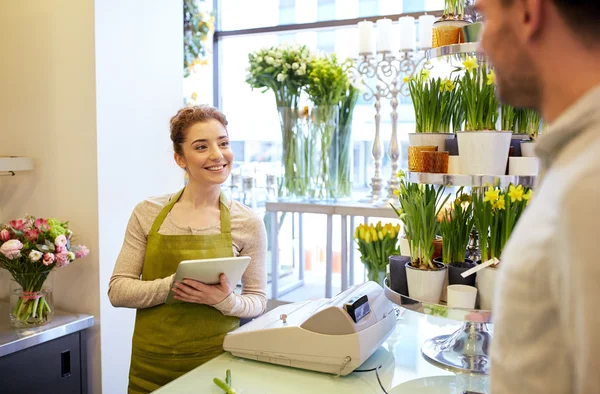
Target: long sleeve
{"points": [[578, 277], [250, 238], [126, 289]]}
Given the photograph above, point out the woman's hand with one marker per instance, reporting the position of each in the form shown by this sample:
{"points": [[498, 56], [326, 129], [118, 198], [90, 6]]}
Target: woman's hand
{"points": [[197, 292]]}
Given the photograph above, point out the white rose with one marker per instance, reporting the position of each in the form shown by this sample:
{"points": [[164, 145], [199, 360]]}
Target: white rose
{"points": [[35, 256], [281, 77], [277, 62], [259, 59], [278, 55], [269, 60], [295, 66], [300, 72]]}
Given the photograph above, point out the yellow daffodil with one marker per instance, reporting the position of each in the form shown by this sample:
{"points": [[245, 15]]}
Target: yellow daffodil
{"points": [[515, 193], [491, 195], [405, 79], [501, 203], [470, 64], [491, 78], [194, 96], [447, 85], [396, 192], [424, 75], [527, 196], [400, 174]]}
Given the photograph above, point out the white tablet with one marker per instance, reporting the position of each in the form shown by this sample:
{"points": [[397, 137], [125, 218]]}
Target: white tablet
{"points": [[208, 271]]}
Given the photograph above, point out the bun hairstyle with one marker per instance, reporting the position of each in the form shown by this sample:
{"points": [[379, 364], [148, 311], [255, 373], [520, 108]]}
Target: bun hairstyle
{"points": [[189, 116]]}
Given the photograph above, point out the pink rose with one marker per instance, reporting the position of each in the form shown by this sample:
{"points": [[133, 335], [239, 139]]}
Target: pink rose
{"points": [[61, 240], [60, 249], [11, 249], [32, 235], [62, 259], [18, 224], [48, 259], [4, 235], [81, 251], [42, 224]]}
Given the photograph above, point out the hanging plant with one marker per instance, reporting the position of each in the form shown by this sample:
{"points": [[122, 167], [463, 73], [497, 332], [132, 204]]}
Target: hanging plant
{"points": [[197, 26]]}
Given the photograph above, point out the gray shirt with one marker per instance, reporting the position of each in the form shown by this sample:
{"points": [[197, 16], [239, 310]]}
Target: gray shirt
{"points": [[547, 301]]}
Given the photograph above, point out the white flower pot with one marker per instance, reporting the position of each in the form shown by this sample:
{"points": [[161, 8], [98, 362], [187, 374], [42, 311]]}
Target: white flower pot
{"points": [[486, 282], [454, 165], [523, 166], [483, 152], [425, 285], [528, 149], [430, 139]]}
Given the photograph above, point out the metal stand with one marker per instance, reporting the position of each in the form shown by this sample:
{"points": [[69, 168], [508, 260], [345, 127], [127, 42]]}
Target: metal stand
{"points": [[466, 350]]}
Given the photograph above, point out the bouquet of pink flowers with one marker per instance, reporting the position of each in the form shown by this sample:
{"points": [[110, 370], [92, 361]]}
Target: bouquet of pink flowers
{"points": [[29, 249]]}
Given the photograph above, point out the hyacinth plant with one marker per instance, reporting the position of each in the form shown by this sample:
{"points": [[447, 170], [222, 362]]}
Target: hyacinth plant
{"points": [[478, 97], [30, 248], [420, 206], [436, 102], [327, 85], [284, 70]]}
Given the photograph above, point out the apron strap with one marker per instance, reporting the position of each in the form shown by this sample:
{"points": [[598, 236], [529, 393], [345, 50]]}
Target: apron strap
{"points": [[224, 213]]}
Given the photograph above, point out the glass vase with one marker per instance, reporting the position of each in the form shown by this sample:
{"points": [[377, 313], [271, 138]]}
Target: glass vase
{"points": [[376, 276], [31, 302], [323, 153], [293, 183], [344, 188]]}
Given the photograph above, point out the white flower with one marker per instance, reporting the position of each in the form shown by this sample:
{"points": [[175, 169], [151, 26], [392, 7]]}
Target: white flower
{"points": [[34, 255], [295, 66], [71, 256], [278, 55], [259, 59], [269, 60], [271, 53], [300, 72], [281, 77]]}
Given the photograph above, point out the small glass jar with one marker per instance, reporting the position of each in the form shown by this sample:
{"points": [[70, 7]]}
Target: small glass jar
{"points": [[415, 158]]}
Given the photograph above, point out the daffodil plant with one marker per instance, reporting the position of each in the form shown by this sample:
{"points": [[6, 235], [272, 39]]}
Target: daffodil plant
{"points": [[456, 225], [454, 8], [496, 213], [420, 206], [436, 102], [376, 244], [521, 121], [478, 97]]}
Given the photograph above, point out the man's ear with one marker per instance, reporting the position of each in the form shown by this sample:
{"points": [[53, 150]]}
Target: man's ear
{"points": [[530, 15]]}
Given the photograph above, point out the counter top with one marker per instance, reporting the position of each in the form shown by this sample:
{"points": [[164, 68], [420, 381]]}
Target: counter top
{"points": [[16, 339], [403, 369]]}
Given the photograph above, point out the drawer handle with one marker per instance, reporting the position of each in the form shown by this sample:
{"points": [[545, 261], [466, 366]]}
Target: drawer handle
{"points": [[65, 358]]}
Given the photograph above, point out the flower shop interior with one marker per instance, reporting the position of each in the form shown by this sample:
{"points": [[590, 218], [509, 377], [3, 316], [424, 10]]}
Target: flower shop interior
{"points": [[352, 123]]}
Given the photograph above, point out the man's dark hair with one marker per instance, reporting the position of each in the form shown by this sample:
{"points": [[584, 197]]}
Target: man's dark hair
{"points": [[580, 15]]}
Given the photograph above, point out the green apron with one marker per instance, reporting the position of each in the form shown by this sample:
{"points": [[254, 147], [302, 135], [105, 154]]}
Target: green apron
{"points": [[171, 340]]}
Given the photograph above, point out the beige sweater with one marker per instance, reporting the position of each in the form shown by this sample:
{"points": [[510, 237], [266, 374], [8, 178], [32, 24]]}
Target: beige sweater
{"points": [[249, 239]]}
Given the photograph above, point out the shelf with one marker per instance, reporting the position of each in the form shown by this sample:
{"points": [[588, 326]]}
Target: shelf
{"points": [[470, 180], [10, 164], [450, 50]]}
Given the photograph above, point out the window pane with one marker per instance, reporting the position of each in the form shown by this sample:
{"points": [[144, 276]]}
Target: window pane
{"points": [[244, 14]]}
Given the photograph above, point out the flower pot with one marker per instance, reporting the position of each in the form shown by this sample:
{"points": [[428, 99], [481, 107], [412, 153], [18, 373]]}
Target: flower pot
{"points": [[515, 144], [448, 32], [430, 139], [32, 306], [528, 149], [486, 282], [454, 165], [425, 285], [472, 32], [456, 269], [523, 166], [398, 281], [483, 152], [444, 296]]}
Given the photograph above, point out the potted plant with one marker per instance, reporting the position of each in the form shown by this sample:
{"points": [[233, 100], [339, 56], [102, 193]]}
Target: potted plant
{"points": [[456, 224], [529, 123], [419, 209], [482, 150], [437, 108], [448, 29], [496, 213], [376, 244], [30, 248]]}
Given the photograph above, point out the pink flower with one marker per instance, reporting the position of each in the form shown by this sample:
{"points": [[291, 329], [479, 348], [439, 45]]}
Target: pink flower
{"points": [[42, 224], [4, 235], [81, 251], [61, 240], [32, 235], [61, 249], [18, 224], [11, 249], [48, 259], [62, 259]]}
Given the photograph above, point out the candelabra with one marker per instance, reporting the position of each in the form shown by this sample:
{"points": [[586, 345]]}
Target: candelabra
{"points": [[385, 76]]}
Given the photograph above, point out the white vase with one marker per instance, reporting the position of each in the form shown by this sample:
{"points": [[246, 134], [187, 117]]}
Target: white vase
{"points": [[425, 285], [523, 166], [430, 139], [454, 165], [528, 149], [486, 282], [483, 152]]}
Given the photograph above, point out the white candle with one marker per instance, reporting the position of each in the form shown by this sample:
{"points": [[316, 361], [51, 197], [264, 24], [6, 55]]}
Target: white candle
{"points": [[425, 31], [366, 37], [385, 36], [406, 25]]}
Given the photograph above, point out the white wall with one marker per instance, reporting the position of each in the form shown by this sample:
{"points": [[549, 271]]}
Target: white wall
{"points": [[48, 112], [139, 72]]}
